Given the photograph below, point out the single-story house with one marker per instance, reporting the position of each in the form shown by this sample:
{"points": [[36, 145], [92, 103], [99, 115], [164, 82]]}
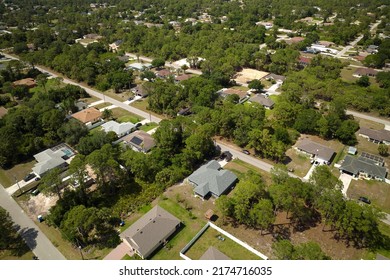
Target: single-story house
{"points": [[139, 66], [275, 77], [211, 179], [140, 141], [304, 61], [121, 129], [376, 136], [317, 151], [3, 111], [163, 73], [28, 82], [52, 158], [88, 116], [363, 168], [139, 90], [213, 253], [181, 78], [229, 91], [265, 101], [114, 47], [360, 72], [151, 231], [295, 40], [184, 111]]}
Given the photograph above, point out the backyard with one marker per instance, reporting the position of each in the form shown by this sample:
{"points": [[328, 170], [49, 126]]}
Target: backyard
{"points": [[225, 245]]}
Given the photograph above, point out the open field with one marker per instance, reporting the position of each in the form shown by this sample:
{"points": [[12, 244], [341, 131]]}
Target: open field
{"points": [[227, 246], [7, 176]]}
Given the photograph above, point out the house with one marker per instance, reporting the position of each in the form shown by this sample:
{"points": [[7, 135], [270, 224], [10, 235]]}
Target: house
{"points": [[372, 49], [184, 111], [363, 168], [139, 90], [275, 77], [295, 40], [139, 66], [304, 61], [52, 158], [92, 36], [28, 82], [265, 101], [114, 47], [267, 25], [360, 72], [326, 44], [211, 179], [376, 136], [181, 78], [88, 116], [151, 231], [317, 151], [3, 111], [229, 91], [163, 73], [121, 129], [140, 141], [213, 253]]}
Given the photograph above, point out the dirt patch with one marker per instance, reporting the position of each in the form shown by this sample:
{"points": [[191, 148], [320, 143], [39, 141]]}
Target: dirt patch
{"points": [[247, 75], [39, 205]]}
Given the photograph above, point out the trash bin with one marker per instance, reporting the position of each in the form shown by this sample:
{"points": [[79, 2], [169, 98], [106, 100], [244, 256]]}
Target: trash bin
{"points": [[40, 218]]}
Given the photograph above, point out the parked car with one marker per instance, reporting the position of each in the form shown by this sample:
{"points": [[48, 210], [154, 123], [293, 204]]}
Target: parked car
{"points": [[137, 125], [364, 199], [29, 177], [246, 152], [130, 98]]}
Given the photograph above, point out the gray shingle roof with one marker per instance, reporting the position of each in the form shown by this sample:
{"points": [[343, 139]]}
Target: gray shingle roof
{"points": [[378, 135], [357, 165], [262, 100], [212, 178], [150, 230], [314, 148], [47, 160], [118, 128]]}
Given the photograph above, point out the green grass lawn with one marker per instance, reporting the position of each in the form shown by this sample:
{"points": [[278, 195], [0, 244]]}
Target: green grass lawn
{"points": [[183, 236], [299, 162], [148, 126], [240, 168], [122, 115], [228, 247], [142, 104], [7, 255], [102, 105], [7, 176]]}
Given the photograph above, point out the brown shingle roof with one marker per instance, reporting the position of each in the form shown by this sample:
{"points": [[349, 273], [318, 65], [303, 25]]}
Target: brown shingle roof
{"points": [[365, 72], [30, 82], [140, 139], [88, 115], [182, 77], [240, 93]]}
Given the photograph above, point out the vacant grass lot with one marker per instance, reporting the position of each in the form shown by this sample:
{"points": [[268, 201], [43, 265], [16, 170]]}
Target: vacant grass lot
{"points": [[369, 124], [102, 105], [377, 192], [228, 247], [122, 96], [122, 115], [7, 176], [240, 168], [142, 104], [148, 126], [298, 161]]}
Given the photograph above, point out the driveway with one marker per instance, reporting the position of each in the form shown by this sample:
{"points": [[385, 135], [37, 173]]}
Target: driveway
{"points": [[119, 252], [346, 179], [307, 177]]}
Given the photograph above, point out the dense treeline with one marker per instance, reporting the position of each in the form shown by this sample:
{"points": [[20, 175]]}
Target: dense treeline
{"points": [[306, 204]]}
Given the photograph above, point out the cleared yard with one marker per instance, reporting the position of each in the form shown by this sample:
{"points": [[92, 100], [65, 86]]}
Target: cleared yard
{"points": [[377, 192], [227, 246], [122, 96], [240, 168], [122, 116], [7, 176], [298, 161], [142, 104], [248, 74]]}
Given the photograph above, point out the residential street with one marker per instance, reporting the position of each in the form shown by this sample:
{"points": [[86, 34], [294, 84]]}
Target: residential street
{"points": [[370, 118], [35, 239]]}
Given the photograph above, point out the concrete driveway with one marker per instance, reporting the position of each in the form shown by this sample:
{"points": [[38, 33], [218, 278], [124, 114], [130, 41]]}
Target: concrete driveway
{"points": [[346, 179], [119, 252]]}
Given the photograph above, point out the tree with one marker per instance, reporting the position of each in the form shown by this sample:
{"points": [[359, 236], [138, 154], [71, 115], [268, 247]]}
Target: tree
{"points": [[309, 251], [107, 114], [363, 81], [225, 205], [283, 250], [51, 182], [262, 214], [158, 62], [6, 229], [256, 85], [79, 174], [383, 150]]}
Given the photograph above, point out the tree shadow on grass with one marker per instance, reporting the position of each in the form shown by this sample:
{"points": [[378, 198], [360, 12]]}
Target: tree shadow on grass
{"points": [[29, 235]]}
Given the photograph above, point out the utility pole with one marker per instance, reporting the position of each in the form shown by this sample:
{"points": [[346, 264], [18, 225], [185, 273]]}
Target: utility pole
{"points": [[17, 183]]}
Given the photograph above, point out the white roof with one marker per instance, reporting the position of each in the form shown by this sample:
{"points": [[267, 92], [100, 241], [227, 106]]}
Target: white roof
{"points": [[48, 160], [118, 128], [140, 66]]}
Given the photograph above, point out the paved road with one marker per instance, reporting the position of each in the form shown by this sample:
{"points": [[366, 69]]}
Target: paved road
{"points": [[35, 239], [370, 118]]}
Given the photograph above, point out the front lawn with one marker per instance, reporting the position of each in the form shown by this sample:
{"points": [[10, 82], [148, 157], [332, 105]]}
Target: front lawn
{"points": [[7, 176], [122, 115], [148, 126]]}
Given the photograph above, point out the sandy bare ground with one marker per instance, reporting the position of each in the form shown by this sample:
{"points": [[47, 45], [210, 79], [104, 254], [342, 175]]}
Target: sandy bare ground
{"points": [[40, 205], [248, 74]]}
